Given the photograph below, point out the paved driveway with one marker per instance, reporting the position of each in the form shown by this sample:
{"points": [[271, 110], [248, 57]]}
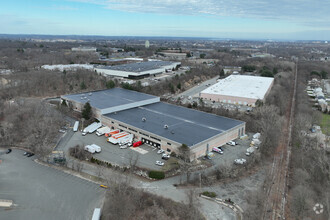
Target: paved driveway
{"points": [[147, 155], [40, 192]]}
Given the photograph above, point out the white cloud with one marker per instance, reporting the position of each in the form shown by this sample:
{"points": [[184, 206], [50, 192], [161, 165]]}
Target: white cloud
{"points": [[307, 12]]}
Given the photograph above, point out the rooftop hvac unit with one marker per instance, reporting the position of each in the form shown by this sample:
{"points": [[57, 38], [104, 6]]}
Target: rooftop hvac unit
{"points": [[166, 126], [144, 119]]}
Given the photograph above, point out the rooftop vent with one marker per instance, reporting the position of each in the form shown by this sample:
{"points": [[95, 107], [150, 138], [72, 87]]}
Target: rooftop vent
{"points": [[166, 126], [144, 119]]}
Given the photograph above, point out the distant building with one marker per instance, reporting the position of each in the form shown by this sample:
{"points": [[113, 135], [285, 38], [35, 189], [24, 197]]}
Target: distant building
{"points": [[84, 49], [116, 50], [262, 55], [232, 69], [137, 70], [147, 44], [179, 56], [239, 89]]}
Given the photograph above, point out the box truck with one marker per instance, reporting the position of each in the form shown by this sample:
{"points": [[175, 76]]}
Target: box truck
{"points": [[116, 131], [75, 126], [102, 131], [91, 128], [90, 149]]}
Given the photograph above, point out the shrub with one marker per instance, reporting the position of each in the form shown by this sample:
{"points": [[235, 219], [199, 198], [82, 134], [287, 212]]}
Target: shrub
{"points": [[79, 153], [209, 194], [158, 175]]}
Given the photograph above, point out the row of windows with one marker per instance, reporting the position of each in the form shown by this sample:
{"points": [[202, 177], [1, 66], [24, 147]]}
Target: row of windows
{"points": [[155, 138], [122, 126], [143, 134], [132, 130]]}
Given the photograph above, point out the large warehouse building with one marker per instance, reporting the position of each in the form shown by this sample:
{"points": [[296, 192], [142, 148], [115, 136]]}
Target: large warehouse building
{"points": [[137, 70], [157, 123], [239, 89]]}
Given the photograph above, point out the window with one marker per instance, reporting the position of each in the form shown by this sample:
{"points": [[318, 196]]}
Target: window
{"points": [[144, 134], [168, 150], [155, 138], [122, 126], [112, 122], [168, 143], [132, 130]]}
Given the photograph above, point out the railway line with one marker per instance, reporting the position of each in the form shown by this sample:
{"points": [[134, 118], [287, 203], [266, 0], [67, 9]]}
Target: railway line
{"points": [[277, 192]]}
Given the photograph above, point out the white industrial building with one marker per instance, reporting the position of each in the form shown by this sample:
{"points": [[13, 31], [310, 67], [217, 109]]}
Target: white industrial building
{"points": [[239, 89], [84, 49], [137, 70]]}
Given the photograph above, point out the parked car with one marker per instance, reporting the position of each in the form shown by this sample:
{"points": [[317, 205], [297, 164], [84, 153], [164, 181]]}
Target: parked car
{"points": [[240, 161], [30, 155], [160, 151], [217, 150], [8, 151], [25, 153], [61, 131], [165, 156], [231, 143], [159, 163]]}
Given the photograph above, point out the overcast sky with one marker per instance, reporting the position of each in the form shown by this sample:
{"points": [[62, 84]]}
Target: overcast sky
{"points": [[242, 19]]}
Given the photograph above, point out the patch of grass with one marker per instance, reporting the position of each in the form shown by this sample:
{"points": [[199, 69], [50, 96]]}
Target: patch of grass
{"points": [[158, 175], [171, 164], [325, 124], [209, 194]]}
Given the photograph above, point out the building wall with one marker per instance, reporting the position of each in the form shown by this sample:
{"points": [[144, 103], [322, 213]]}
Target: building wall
{"points": [[200, 149], [229, 99]]}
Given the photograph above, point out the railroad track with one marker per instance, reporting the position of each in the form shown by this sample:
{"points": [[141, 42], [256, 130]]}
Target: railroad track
{"points": [[277, 191]]}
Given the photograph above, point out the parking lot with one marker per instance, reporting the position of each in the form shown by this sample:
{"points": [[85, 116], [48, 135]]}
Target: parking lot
{"points": [[230, 153], [146, 155], [41, 192]]}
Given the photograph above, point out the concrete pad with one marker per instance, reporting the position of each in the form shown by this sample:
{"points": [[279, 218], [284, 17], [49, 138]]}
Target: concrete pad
{"points": [[140, 150]]}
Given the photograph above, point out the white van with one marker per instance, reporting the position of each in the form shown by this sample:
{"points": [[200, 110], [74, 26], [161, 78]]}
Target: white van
{"points": [[90, 149]]}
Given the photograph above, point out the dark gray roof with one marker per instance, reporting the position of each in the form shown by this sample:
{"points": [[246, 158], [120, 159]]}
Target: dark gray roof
{"points": [[138, 67], [109, 98], [186, 126]]}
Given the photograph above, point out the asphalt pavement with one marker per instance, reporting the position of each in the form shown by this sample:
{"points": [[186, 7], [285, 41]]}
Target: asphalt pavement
{"points": [[41, 192], [194, 91]]}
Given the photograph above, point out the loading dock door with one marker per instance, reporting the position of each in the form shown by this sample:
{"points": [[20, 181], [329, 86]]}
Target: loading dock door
{"points": [[151, 143]]}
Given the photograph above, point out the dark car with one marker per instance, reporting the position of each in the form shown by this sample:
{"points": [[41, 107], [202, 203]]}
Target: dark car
{"points": [[30, 154], [8, 151]]}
